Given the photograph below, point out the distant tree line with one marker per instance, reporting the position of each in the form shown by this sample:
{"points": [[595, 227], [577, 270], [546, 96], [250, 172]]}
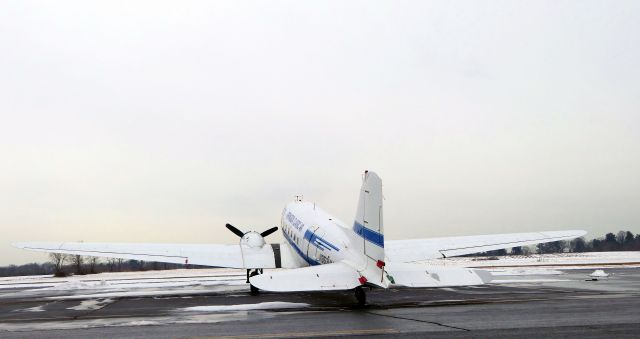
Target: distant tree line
{"points": [[61, 265], [621, 241]]}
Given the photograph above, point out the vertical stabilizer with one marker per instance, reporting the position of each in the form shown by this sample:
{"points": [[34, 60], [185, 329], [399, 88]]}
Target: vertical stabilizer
{"points": [[368, 225]]}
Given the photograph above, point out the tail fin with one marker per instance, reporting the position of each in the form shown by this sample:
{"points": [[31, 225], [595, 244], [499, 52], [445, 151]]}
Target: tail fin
{"points": [[368, 224]]}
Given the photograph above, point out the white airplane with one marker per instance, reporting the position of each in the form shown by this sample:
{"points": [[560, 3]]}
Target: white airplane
{"points": [[322, 253]]}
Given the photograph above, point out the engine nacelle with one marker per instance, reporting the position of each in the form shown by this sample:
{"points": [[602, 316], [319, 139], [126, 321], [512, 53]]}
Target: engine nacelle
{"points": [[252, 240]]}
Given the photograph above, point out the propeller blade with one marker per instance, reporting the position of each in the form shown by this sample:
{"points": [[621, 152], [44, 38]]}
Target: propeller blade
{"points": [[269, 231], [235, 230]]}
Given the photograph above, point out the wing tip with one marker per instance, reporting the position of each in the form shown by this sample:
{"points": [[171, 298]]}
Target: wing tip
{"points": [[21, 245], [566, 233], [578, 233], [36, 246]]}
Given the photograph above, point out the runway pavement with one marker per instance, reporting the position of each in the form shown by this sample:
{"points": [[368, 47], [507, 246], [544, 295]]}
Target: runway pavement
{"points": [[563, 305]]}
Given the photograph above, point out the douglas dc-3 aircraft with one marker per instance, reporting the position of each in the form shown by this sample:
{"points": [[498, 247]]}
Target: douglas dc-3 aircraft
{"points": [[321, 253]]}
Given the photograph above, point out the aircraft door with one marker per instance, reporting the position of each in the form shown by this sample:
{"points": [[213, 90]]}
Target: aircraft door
{"points": [[317, 248], [308, 238]]}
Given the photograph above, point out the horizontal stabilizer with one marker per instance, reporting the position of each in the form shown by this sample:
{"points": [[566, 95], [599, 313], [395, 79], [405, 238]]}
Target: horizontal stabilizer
{"points": [[418, 275], [329, 277]]}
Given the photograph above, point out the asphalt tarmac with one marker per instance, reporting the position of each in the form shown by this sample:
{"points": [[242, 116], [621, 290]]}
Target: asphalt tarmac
{"points": [[568, 306]]}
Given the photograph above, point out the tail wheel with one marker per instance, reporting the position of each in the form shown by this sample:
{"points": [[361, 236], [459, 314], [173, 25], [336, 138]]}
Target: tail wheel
{"points": [[361, 296], [254, 290]]}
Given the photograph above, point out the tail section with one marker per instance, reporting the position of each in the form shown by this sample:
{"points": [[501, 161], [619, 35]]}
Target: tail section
{"points": [[368, 224], [369, 229]]}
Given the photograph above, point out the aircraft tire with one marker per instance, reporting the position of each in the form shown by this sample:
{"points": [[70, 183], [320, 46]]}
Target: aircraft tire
{"points": [[361, 296]]}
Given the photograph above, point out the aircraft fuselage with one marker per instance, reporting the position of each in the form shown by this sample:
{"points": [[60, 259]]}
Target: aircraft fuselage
{"points": [[315, 236]]}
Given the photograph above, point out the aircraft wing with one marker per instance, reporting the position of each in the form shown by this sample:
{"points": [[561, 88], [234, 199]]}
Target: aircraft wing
{"points": [[421, 249], [329, 277], [231, 256]]}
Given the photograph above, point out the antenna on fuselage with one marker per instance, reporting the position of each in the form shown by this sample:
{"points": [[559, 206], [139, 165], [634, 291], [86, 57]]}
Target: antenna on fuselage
{"points": [[298, 198]]}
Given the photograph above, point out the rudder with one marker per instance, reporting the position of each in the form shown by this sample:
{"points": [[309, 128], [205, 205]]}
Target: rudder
{"points": [[368, 224]]}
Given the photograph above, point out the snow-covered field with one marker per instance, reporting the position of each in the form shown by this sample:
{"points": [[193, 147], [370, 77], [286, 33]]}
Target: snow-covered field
{"points": [[184, 282], [126, 284]]}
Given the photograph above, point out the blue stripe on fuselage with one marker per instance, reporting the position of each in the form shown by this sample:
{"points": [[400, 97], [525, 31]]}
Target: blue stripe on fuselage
{"points": [[321, 246], [368, 234], [311, 236], [326, 243], [300, 253]]}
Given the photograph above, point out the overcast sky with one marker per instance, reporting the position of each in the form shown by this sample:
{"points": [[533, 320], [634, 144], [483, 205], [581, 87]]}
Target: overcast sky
{"points": [[160, 122]]}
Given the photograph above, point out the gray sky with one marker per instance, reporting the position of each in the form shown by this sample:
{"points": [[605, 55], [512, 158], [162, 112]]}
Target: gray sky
{"points": [[160, 122]]}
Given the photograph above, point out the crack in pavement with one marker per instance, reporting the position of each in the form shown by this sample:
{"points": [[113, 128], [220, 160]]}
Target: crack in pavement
{"points": [[419, 320]]}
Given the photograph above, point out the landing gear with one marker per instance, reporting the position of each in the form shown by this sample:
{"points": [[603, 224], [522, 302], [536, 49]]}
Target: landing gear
{"points": [[361, 296], [254, 290]]}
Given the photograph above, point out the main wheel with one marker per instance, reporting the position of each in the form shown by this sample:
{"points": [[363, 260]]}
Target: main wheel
{"points": [[254, 290], [361, 296]]}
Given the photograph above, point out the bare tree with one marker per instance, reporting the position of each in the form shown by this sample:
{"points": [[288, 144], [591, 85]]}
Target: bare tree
{"points": [[77, 261], [93, 262], [58, 259], [111, 263]]}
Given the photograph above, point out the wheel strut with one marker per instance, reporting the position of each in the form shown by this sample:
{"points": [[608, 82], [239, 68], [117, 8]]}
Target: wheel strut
{"points": [[254, 290]]}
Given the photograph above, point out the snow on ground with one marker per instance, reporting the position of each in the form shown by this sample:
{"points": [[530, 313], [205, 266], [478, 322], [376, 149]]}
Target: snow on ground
{"points": [[140, 293], [599, 274], [524, 271], [25, 278], [123, 277], [247, 307], [21, 285], [91, 305], [128, 280], [147, 283], [127, 284], [520, 281], [33, 309], [118, 322]]}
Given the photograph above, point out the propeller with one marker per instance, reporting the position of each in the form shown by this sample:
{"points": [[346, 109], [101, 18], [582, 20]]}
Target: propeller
{"points": [[235, 230], [269, 231], [240, 234]]}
